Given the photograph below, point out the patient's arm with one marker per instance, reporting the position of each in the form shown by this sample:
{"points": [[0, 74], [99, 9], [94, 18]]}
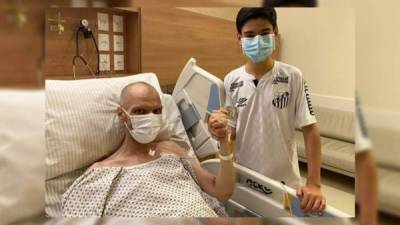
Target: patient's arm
{"points": [[220, 186]]}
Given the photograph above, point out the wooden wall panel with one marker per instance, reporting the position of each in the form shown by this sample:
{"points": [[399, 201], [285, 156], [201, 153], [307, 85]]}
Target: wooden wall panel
{"points": [[170, 36], [23, 47]]}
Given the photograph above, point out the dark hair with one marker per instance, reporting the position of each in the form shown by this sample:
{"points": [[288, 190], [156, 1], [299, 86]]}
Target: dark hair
{"points": [[246, 14], [300, 3]]}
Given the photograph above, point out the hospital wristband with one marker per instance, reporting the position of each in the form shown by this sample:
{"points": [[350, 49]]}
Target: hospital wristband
{"points": [[226, 158]]}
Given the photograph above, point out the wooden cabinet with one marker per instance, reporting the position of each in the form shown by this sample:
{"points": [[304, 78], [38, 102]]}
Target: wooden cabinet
{"points": [[60, 48]]}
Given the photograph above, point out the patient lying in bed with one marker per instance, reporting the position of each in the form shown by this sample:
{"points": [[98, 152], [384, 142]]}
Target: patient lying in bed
{"points": [[143, 179]]}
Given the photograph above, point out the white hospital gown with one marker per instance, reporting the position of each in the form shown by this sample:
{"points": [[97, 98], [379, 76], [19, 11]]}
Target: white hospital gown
{"points": [[160, 188]]}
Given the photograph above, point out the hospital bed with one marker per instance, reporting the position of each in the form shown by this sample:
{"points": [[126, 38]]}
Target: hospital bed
{"points": [[197, 93]]}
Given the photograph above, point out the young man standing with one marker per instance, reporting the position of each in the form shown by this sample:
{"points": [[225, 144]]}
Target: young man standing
{"points": [[270, 99]]}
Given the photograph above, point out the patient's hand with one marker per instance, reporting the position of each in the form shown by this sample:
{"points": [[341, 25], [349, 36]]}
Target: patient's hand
{"points": [[218, 125]]}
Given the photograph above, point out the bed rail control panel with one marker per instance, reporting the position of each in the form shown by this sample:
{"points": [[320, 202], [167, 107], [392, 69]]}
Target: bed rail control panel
{"points": [[189, 114], [197, 93]]}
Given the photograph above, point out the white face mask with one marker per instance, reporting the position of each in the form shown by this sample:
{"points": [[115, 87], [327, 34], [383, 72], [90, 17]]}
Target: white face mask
{"points": [[145, 128]]}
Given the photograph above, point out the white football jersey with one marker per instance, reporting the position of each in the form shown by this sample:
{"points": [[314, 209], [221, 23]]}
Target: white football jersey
{"points": [[266, 115]]}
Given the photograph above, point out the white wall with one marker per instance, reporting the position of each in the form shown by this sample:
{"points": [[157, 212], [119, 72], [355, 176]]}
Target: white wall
{"points": [[378, 60], [321, 42]]}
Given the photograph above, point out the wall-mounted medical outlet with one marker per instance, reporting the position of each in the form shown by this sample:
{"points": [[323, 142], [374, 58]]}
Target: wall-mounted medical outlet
{"points": [[57, 25]]}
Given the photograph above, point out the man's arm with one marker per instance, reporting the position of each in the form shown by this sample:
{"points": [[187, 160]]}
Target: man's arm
{"points": [[222, 185], [313, 153], [367, 187], [311, 195]]}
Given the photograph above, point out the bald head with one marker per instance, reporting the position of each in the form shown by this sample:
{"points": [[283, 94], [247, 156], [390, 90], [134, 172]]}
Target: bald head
{"points": [[140, 98]]}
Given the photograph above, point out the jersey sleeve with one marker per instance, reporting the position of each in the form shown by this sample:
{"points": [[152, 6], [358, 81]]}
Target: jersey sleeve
{"points": [[304, 110], [229, 103], [362, 142]]}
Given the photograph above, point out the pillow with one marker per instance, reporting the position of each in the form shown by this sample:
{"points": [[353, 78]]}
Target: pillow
{"points": [[22, 151], [82, 127]]}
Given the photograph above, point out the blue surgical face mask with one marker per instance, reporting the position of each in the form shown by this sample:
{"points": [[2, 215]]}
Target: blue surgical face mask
{"points": [[258, 48]]}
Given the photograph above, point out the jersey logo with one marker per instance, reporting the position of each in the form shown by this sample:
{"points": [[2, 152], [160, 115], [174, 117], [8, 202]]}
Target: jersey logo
{"points": [[310, 107], [242, 102], [280, 79], [281, 100], [235, 85]]}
